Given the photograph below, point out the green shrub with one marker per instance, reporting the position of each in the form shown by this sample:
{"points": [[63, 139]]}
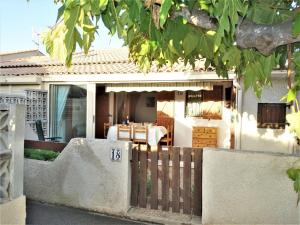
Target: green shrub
{"points": [[294, 174], [40, 154]]}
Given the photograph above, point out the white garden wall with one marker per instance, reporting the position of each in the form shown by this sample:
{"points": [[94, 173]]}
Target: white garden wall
{"points": [[245, 187], [83, 176]]}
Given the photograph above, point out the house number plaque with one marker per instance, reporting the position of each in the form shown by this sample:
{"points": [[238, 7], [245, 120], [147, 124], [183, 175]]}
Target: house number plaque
{"points": [[116, 154]]}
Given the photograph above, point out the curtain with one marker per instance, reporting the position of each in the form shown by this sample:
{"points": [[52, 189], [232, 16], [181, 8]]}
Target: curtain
{"points": [[60, 97]]}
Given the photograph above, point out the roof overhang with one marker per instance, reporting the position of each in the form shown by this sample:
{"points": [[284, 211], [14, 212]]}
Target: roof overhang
{"points": [[158, 87], [29, 79], [138, 77]]}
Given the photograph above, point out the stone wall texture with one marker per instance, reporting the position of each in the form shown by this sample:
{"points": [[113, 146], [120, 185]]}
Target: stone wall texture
{"points": [[83, 176], [248, 188], [12, 125]]}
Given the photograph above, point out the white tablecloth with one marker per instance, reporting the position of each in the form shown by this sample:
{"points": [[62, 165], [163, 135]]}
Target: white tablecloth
{"points": [[155, 133]]}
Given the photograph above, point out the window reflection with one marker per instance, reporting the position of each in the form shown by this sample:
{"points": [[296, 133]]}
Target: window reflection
{"points": [[68, 111]]}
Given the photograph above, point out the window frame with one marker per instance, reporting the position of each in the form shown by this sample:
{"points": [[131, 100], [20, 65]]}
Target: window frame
{"points": [[51, 101], [201, 97]]}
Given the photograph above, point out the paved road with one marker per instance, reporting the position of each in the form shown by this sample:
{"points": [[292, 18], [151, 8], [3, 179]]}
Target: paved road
{"points": [[47, 214]]}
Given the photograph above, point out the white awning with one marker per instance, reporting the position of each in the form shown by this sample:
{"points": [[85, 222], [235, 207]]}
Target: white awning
{"points": [[149, 87]]}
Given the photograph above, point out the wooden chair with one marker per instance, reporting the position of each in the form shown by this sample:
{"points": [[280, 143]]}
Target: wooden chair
{"points": [[140, 130], [124, 132], [106, 127], [168, 138]]}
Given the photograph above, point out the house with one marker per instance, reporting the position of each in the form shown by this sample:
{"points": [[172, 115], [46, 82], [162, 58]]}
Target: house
{"points": [[105, 86], [13, 55]]}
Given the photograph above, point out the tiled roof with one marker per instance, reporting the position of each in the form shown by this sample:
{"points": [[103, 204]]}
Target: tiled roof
{"points": [[18, 52], [114, 61]]}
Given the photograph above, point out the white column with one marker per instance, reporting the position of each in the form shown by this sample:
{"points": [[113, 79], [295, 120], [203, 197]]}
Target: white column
{"points": [[239, 117], [90, 110], [111, 107]]}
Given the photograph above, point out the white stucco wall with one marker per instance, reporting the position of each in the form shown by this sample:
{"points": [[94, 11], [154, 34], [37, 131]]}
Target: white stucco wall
{"points": [[244, 187], [259, 139], [83, 176], [183, 125], [13, 212]]}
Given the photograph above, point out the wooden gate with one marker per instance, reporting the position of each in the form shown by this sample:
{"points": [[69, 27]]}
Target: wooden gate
{"points": [[167, 179]]}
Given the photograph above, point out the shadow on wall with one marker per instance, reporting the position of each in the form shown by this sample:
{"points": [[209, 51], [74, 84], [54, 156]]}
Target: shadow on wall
{"points": [[277, 140], [183, 130]]}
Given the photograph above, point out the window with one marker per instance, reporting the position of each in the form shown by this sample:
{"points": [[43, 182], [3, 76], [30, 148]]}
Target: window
{"points": [[67, 111], [205, 104], [271, 115]]}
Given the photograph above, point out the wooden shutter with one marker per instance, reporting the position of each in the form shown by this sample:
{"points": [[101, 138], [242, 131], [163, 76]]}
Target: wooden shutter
{"points": [[271, 115], [165, 108], [212, 103]]}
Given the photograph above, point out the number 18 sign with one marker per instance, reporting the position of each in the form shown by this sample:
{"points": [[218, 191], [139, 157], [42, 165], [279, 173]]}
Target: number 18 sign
{"points": [[115, 154]]}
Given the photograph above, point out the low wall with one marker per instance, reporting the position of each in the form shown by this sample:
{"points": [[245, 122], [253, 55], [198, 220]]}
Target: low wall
{"points": [[13, 212], [248, 188], [83, 176]]}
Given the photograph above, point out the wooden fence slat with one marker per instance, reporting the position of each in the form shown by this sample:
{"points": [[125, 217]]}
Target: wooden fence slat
{"points": [[197, 197], [143, 179], [175, 180], [187, 180], [154, 180], [165, 180], [134, 177]]}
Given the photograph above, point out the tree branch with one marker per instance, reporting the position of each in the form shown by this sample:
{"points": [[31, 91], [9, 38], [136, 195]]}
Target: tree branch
{"points": [[197, 18], [265, 38]]}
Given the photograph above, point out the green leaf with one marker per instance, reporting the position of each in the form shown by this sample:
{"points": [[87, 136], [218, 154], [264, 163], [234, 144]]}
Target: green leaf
{"points": [[294, 121], [145, 48], [163, 12], [102, 4], [205, 45], [232, 57], [135, 9], [69, 4], [60, 12], [70, 19], [291, 95], [296, 58], [54, 42], [172, 47], [88, 34], [106, 18], [296, 25], [190, 42], [266, 12], [294, 175]]}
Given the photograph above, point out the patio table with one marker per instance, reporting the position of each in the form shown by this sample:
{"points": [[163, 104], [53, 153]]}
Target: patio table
{"points": [[155, 133]]}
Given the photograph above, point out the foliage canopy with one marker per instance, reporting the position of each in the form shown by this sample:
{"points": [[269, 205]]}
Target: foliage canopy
{"points": [[165, 31]]}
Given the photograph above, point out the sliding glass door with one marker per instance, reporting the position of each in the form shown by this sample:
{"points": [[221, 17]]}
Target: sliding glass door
{"points": [[68, 111]]}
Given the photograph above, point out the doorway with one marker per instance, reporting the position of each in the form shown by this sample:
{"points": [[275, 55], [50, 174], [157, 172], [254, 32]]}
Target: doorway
{"points": [[102, 111]]}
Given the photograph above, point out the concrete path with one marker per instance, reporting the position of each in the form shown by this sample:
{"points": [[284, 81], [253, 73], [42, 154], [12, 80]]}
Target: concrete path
{"points": [[48, 214]]}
